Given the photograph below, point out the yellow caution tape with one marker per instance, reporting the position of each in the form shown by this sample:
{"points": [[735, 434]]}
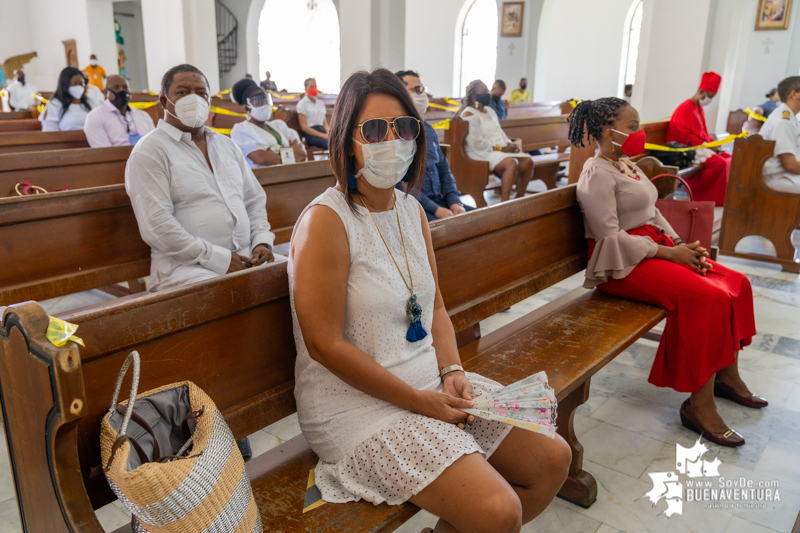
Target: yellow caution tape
{"points": [[446, 108], [222, 111], [451, 101], [151, 93], [284, 96], [574, 103], [39, 97], [3, 93], [60, 332], [443, 125], [224, 131], [712, 144], [143, 105], [754, 115]]}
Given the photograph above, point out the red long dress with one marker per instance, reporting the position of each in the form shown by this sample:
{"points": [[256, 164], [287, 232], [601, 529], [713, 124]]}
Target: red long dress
{"points": [[688, 126]]}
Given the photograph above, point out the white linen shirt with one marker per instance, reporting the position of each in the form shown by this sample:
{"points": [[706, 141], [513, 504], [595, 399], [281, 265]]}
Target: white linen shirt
{"points": [[20, 97], [314, 111], [249, 137], [193, 218], [783, 127], [73, 119], [106, 125]]}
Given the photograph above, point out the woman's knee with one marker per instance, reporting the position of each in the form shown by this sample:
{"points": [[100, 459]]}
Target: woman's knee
{"points": [[525, 164], [560, 458], [501, 512]]}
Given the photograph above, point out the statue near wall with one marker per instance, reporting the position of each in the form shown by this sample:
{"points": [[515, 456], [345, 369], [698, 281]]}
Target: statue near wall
{"points": [[14, 62]]}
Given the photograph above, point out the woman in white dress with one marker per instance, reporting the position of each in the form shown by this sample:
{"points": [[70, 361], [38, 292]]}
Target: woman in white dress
{"points": [[68, 108], [378, 392], [486, 141], [260, 138]]}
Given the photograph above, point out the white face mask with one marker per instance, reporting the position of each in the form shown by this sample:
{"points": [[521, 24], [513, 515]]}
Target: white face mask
{"points": [[420, 101], [386, 163], [76, 91], [93, 62], [191, 110], [704, 101], [262, 114]]}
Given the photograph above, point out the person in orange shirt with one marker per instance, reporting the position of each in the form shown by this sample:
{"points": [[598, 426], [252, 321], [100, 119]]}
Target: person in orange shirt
{"points": [[97, 74]]}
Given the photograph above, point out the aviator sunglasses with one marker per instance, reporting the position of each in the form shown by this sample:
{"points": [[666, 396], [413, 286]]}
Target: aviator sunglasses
{"points": [[375, 130]]}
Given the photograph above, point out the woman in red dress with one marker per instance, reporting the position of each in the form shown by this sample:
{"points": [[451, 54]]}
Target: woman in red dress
{"points": [[634, 253]]}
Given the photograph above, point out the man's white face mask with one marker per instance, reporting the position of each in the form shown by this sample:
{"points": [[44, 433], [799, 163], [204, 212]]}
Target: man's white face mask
{"points": [[192, 110], [420, 102]]}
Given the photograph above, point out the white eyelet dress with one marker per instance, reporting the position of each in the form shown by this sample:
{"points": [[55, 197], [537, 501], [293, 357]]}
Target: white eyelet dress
{"points": [[369, 448]]}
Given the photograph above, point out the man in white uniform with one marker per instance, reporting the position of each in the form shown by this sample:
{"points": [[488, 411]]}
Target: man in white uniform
{"points": [[20, 93], [782, 170], [197, 202]]}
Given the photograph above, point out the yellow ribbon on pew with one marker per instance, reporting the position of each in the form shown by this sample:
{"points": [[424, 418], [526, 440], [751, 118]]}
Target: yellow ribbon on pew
{"points": [[222, 111], [443, 125], [60, 332], [142, 105], [42, 100], [3, 93], [755, 115], [284, 96], [574, 102], [446, 108], [451, 101], [223, 131], [712, 144], [151, 93]]}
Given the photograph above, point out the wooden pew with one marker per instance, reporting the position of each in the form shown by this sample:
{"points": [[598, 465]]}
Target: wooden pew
{"points": [[77, 168], [752, 208], [736, 120], [214, 334], [37, 141], [472, 176], [16, 115], [72, 241], [24, 124]]}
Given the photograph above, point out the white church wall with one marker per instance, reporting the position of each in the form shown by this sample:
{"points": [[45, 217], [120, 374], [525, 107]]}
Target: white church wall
{"points": [[579, 48], [17, 38], [670, 59], [200, 37], [430, 42], [516, 56], [355, 23], [102, 38], [241, 10], [163, 35]]}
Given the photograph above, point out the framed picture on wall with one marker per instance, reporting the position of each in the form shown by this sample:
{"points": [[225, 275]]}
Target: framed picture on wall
{"points": [[511, 21], [773, 14]]}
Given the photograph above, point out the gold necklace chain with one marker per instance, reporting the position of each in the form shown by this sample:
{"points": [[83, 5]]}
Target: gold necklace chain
{"points": [[396, 212]]}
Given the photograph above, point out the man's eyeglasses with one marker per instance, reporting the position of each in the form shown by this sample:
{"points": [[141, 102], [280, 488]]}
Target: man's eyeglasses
{"points": [[419, 89], [375, 130]]}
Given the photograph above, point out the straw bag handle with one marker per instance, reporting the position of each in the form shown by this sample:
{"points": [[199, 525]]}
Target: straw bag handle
{"points": [[133, 357], [686, 185]]}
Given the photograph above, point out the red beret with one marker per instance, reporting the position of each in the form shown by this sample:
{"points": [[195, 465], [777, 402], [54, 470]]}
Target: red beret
{"points": [[710, 82]]}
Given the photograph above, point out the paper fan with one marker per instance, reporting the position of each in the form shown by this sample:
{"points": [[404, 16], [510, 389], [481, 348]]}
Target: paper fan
{"points": [[529, 404]]}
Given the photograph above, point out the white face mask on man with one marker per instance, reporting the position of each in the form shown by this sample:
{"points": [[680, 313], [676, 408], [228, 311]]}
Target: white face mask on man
{"points": [[386, 163], [192, 110], [420, 102]]}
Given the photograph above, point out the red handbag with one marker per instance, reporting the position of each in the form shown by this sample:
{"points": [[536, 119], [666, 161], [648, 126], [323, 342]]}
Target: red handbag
{"points": [[692, 221]]}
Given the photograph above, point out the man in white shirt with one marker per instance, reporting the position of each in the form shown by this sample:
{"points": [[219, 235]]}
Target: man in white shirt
{"points": [[197, 202], [20, 93], [312, 115], [114, 122], [782, 170]]}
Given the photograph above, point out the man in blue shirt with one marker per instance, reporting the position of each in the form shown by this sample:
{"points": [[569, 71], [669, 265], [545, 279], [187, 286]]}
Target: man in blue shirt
{"points": [[497, 92], [439, 195]]}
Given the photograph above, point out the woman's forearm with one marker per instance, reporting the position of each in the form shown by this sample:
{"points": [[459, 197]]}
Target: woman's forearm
{"points": [[444, 339]]}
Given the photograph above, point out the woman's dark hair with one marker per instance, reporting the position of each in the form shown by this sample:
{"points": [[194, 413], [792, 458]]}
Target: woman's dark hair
{"points": [[591, 116], [62, 91], [469, 96], [242, 89], [348, 106], [772, 92]]}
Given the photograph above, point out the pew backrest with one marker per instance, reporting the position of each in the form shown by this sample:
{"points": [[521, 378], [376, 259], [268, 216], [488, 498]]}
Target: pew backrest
{"points": [[22, 124], [38, 141]]}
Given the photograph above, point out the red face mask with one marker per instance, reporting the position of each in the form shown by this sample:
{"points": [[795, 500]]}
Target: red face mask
{"points": [[634, 144], [312, 91]]}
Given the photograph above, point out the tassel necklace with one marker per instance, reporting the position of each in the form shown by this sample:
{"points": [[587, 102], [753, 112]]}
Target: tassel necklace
{"points": [[619, 167], [413, 310]]}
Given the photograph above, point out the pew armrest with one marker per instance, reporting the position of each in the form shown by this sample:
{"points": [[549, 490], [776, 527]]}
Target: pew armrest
{"points": [[43, 392]]}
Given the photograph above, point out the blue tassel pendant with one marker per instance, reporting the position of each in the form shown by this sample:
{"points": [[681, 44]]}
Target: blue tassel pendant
{"points": [[414, 312]]}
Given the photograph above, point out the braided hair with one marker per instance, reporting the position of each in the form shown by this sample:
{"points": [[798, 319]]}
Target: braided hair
{"points": [[469, 97], [591, 116]]}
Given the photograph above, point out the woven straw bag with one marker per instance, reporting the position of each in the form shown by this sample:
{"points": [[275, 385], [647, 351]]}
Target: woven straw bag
{"points": [[186, 473]]}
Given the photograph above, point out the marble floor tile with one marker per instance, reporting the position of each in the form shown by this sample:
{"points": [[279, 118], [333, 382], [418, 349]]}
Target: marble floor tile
{"points": [[618, 449], [285, 429], [583, 424], [770, 364], [605, 528], [112, 517], [261, 442], [793, 401], [779, 460], [631, 380], [777, 391], [561, 518], [740, 525], [788, 347], [773, 422], [777, 318], [597, 397], [9, 517], [641, 353]]}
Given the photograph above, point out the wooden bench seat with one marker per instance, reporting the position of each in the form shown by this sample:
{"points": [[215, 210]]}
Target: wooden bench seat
{"points": [[20, 124], [37, 141], [72, 241], [232, 336]]}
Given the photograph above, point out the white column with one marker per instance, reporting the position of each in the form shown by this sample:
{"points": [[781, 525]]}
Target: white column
{"points": [[102, 38], [355, 23], [200, 38], [670, 61], [163, 38]]}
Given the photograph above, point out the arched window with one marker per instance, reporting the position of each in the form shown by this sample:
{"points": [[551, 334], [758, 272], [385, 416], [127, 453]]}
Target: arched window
{"points": [[633, 30], [299, 40], [478, 33]]}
